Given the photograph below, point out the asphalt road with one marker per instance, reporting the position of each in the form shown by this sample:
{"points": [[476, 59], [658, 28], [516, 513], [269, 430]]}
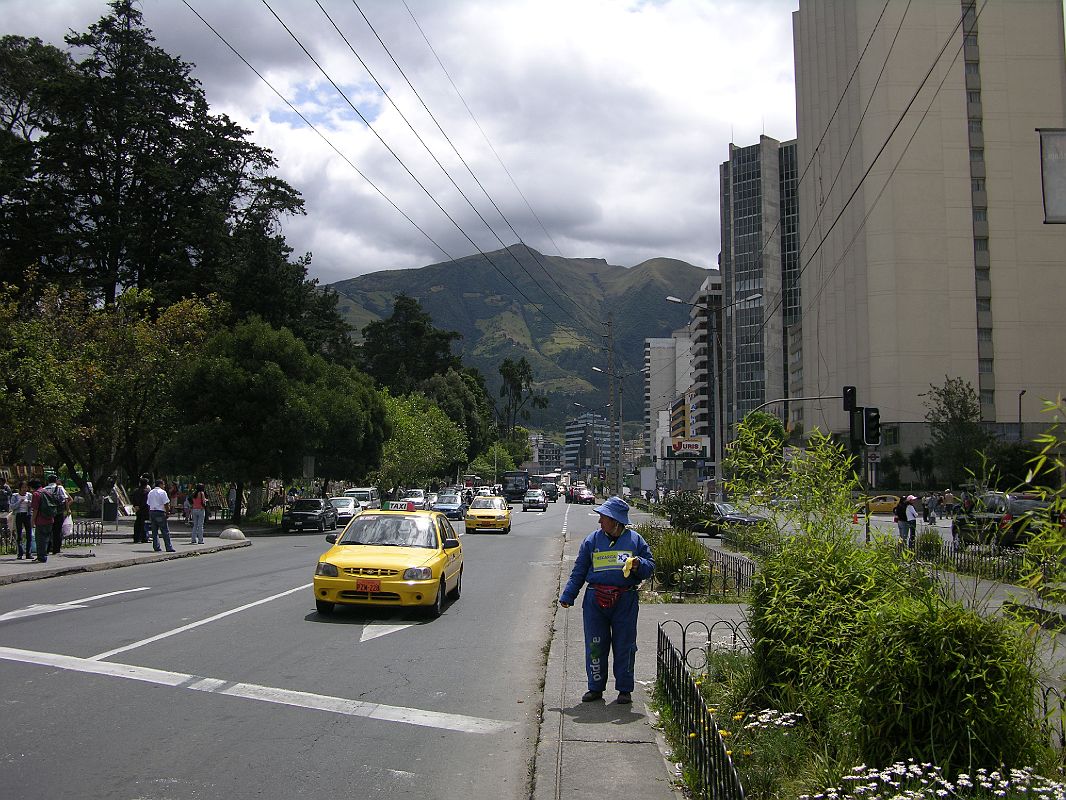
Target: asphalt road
{"points": [[214, 677]]}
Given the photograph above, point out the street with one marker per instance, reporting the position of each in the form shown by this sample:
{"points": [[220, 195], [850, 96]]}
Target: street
{"points": [[215, 677]]}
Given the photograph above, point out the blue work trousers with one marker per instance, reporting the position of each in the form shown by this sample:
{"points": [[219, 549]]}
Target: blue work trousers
{"points": [[159, 523], [610, 630]]}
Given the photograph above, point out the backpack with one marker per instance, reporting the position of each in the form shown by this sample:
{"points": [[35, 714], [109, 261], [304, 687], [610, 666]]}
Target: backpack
{"points": [[48, 505]]}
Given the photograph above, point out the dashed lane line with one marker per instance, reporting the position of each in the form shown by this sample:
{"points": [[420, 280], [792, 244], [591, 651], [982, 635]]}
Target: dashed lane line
{"points": [[267, 694]]}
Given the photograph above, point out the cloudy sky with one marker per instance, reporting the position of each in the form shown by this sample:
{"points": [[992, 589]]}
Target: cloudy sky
{"points": [[610, 116]]}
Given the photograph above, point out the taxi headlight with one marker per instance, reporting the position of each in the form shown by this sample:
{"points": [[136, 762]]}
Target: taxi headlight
{"points": [[417, 574], [501, 516], [326, 569]]}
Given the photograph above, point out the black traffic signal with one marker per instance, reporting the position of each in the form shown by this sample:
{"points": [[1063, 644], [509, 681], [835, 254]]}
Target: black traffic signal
{"points": [[849, 398], [871, 425]]}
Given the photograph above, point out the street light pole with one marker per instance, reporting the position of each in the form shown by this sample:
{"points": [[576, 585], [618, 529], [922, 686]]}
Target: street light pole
{"points": [[1020, 414]]}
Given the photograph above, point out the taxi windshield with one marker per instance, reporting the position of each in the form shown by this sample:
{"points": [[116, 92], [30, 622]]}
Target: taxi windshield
{"points": [[487, 502], [391, 530]]}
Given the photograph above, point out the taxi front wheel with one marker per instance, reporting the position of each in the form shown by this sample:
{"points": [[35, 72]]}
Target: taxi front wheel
{"points": [[438, 603]]}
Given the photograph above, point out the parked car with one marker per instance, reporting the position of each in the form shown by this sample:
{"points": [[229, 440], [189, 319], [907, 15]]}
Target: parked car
{"points": [[451, 505], [551, 491], [881, 504], [488, 514], [431, 498], [718, 518], [347, 507], [309, 513], [1002, 519], [391, 558], [584, 495], [416, 496], [535, 498], [368, 496]]}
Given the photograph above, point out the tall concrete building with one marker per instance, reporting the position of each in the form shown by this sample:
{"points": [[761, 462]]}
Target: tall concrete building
{"points": [[759, 259], [924, 251], [667, 373]]}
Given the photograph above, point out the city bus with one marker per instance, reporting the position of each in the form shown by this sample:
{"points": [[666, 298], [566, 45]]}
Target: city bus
{"points": [[515, 483]]}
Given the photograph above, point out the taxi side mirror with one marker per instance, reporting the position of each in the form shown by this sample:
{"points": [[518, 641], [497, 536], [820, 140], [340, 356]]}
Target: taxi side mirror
{"points": [[331, 538], [451, 544]]}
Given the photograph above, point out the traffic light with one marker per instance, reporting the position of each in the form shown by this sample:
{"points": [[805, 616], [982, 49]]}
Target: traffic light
{"points": [[849, 398], [871, 426]]}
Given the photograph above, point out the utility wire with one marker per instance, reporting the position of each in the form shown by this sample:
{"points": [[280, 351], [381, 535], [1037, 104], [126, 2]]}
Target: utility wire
{"points": [[400, 161], [321, 135], [448, 139]]}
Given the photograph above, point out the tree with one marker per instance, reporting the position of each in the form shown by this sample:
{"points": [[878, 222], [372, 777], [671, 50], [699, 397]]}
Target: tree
{"points": [[464, 401], [517, 393], [922, 463], [954, 417], [757, 456], [256, 402], [403, 350], [424, 443], [493, 461]]}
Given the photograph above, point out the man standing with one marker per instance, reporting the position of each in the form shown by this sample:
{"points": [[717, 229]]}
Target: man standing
{"points": [[139, 499], [158, 508], [59, 494], [42, 520], [613, 561]]}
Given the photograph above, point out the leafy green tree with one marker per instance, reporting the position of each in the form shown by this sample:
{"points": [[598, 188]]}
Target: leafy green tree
{"points": [[255, 402], [757, 457], [405, 349], [953, 412], [464, 401], [1012, 462], [922, 463], [424, 444], [517, 394], [492, 462]]}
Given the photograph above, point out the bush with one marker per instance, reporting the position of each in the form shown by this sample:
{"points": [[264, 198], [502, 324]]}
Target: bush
{"points": [[677, 554], [945, 685], [929, 546], [685, 510]]}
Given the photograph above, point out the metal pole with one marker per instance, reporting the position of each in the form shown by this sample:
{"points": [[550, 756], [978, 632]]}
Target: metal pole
{"points": [[616, 466]]}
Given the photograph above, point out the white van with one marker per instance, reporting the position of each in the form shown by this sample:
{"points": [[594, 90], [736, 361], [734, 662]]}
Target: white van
{"points": [[366, 496]]}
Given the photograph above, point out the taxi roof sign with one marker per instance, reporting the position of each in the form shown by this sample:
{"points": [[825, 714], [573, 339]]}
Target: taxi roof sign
{"points": [[399, 505]]}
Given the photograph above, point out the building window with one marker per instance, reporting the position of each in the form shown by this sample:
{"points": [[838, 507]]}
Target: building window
{"points": [[977, 154], [980, 215], [988, 397], [984, 334], [980, 245], [973, 96], [984, 366], [974, 126], [971, 39], [983, 274], [984, 304], [972, 68], [977, 184]]}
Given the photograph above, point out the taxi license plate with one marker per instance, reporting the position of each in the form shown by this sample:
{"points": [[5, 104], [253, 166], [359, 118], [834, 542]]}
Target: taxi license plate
{"points": [[364, 585]]}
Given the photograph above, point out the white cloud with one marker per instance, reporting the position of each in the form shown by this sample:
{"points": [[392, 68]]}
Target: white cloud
{"points": [[612, 116]]}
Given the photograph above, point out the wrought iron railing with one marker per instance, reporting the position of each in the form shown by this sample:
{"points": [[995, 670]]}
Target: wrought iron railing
{"points": [[87, 532], [706, 756]]}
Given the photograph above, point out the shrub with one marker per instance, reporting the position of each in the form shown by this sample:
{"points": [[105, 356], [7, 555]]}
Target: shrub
{"points": [[929, 546], [940, 683], [675, 553]]}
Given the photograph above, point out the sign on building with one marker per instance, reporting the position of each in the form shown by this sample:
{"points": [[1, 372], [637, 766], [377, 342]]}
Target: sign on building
{"points": [[690, 447]]}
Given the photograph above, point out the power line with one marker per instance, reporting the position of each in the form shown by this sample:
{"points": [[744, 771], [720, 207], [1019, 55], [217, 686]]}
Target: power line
{"points": [[312, 126]]}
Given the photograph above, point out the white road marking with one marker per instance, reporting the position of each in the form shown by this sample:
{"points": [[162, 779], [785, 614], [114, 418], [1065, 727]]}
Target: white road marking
{"points": [[191, 625], [373, 630], [266, 694], [48, 608]]}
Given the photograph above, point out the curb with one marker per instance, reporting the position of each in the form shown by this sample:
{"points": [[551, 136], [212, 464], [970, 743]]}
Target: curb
{"points": [[89, 566]]}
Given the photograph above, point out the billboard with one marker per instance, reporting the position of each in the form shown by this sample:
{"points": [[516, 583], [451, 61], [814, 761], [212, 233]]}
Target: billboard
{"points": [[689, 447]]}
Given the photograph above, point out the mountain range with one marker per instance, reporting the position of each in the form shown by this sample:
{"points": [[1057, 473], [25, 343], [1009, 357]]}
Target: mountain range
{"points": [[554, 311]]}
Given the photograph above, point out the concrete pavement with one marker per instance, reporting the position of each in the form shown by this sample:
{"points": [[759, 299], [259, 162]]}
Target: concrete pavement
{"points": [[116, 550]]}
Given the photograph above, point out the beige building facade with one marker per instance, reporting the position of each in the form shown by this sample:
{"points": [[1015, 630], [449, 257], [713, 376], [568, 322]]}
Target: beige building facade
{"points": [[924, 253]]}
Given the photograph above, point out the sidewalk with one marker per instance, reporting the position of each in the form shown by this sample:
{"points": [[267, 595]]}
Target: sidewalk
{"points": [[118, 550], [587, 750]]}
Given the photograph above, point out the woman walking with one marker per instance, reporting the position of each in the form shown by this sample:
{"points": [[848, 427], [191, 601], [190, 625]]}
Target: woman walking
{"points": [[198, 512], [20, 506]]}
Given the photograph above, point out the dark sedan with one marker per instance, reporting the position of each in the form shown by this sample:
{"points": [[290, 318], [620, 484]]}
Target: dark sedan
{"points": [[309, 514], [450, 505], [721, 517], [1002, 519]]}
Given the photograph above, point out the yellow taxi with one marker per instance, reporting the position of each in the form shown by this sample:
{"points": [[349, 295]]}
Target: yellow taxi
{"points": [[391, 557], [881, 504], [488, 514]]}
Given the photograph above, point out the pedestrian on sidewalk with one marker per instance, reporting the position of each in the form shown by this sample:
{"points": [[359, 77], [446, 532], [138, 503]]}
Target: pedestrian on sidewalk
{"points": [[59, 494], [158, 508], [912, 520], [139, 499], [42, 521], [21, 504], [900, 514], [198, 512], [613, 561]]}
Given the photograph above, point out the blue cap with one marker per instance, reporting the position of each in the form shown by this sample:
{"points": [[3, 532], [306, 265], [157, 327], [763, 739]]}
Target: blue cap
{"points": [[616, 508]]}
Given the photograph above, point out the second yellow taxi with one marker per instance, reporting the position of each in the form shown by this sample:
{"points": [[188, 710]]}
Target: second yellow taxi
{"points": [[488, 514], [391, 558]]}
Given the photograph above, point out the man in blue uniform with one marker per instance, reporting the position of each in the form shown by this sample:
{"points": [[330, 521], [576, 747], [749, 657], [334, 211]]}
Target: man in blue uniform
{"points": [[613, 561]]}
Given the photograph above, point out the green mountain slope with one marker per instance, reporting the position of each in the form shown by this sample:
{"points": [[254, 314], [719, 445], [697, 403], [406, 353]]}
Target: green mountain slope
{"points": [[550, 309]]}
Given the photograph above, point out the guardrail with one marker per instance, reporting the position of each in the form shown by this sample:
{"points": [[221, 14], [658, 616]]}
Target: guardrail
{"points": [[87, 532], [706, 755]]}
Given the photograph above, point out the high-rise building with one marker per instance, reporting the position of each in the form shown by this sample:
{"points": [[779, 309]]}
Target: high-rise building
{"points": [[667, 374], [759, 260], [588, 443], [924, 250]]}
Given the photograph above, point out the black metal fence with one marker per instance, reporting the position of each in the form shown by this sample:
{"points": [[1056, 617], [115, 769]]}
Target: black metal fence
{"points": [[86, 533], [1053, 716], [706, 758]]}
